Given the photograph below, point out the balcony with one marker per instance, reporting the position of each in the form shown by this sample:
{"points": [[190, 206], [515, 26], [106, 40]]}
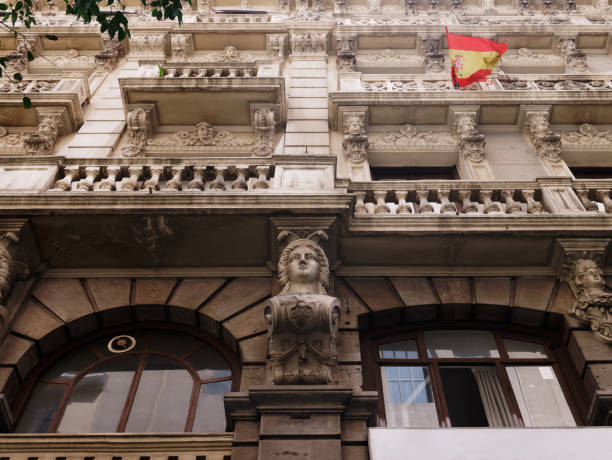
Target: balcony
{"points": [[489, 443], [124, 446]]}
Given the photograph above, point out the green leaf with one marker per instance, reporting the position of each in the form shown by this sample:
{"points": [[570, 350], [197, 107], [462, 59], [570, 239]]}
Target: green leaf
{"points": [[51, 37], [30, 56], [3, 7], [161, 70], [17, 76], [27, 103], [18, 6]]}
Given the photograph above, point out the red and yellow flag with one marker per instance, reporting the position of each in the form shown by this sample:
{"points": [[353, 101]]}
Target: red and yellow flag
{"points": [[472, 58]]}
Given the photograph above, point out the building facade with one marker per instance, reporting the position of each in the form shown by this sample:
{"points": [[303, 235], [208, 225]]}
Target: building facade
{"points": [[277, 231]]}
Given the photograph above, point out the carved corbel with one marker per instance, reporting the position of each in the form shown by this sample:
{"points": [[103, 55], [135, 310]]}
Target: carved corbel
{"points": [[8, 242], [546, 143], [302, 320], [580, 267], [52, 123], [107, 59], [433, 58], [575, 59], [354, 125], [470, 142], [345, 54], [139, 129], [276, 44], [264, 121], [181, 46]]}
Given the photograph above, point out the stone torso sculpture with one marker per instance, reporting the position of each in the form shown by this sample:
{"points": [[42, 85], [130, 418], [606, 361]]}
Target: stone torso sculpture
{"points": [[303, 319]]}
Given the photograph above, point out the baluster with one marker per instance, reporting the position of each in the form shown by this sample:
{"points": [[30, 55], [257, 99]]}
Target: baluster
{"points": [[360, 207], [130, 184], [533, 206], [512, 207], [86, 184], [589, 205], [490, 206], [402, 206], [217, 73], [108, 184], [248, 72], [262, 173], [467, 205], [169, 73], [198, 178], [65, 183], [153, 182], [174, 184], [425, 207], [446, 206], [241, 175], [219, 183], [381, 207], [232, 72], [604, 196]]}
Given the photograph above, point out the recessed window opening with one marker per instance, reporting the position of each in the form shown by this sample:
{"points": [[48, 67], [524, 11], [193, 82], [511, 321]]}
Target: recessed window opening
{"points": [[414, 173], [591, 173], [143, 381], [469, 378]]}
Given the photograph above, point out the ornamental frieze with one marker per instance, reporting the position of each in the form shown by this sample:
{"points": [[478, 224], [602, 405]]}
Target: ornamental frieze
{"points": [[587, 136], [203, 134], [410, 137]]}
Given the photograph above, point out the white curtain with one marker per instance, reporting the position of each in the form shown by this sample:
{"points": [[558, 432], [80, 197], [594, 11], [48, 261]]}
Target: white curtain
{"points": [[493, 399], [408, 413]]}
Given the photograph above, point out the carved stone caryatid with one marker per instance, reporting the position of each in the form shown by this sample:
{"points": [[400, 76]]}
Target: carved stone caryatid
{"points": [[546, 143], [345, 55], [471, 142], [107, 59], [355, 144], [575, 58], [303, 319], [593, 304], [139, 130], [7, 240], [264, 125], [43, 140]]}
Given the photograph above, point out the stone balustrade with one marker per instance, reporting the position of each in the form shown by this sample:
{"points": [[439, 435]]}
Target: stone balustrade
{"points": [[121, 446], [220, 71], [436, 198], [594, 194], [187, 177], [505, 83]]}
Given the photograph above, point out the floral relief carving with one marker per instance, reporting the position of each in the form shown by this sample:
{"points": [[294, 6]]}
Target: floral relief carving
{"points": [[390, 57], [11, 139], [409, 135], [230, 54], [303, 320], [203, 134], [525, 56], [70, 57], [587, 136]]}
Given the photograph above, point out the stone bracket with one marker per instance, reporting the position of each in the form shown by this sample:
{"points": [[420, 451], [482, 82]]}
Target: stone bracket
{"points": [[569, 249], [346, 112], [526, 110]]}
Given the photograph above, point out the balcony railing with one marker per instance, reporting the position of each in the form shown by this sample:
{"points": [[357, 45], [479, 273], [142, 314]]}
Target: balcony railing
{"points": [[123, 446], [594, 194], [450, 198], [186, 177]]}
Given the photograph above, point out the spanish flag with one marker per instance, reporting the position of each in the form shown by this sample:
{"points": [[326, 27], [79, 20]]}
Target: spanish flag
{"points": [[472, 58]]}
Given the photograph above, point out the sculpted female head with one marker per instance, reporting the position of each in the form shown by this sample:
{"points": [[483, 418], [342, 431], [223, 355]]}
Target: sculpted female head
{"points": [[303, 268]]}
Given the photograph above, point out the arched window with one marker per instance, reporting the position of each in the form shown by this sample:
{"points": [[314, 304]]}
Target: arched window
{"points": [[141, 381], [468, 378]]}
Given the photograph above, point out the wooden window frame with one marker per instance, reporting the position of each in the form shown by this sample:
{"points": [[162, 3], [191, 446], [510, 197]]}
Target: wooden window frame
{"points": [[372, 362], [149, 328]]}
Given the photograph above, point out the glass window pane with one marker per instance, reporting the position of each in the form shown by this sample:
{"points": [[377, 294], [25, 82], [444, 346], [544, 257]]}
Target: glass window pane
{"points": [[39, 411], [539, 396], [405, 349], [210, 364], [210, 414], [68, 367], [162, 399], [518, 349], [408, 400], [460, 344], [98, 399], [174, 344]]}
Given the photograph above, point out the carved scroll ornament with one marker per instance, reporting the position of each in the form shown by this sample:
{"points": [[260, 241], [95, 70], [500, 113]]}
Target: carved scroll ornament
{"points": [[303, 319]]}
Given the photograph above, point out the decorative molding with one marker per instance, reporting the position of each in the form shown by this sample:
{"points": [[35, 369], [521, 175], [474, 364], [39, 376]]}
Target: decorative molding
{"points": [[587, 136], [525, 56], [264, 125], [139, 129], [410, 138], [276, 44], [389, 56], [309, 43], [202, 134]]}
